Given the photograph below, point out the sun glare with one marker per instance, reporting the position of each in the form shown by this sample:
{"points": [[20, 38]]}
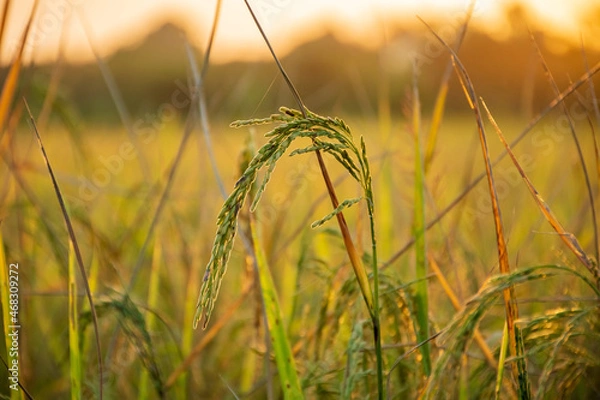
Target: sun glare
{"points": [[288, 22]]}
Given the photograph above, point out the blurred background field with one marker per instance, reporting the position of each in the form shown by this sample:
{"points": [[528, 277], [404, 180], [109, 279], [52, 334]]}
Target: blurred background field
{"points": [[112, 173]]}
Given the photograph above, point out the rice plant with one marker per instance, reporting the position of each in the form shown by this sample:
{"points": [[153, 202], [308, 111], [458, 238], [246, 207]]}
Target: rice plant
{"points": [[398, 300]]}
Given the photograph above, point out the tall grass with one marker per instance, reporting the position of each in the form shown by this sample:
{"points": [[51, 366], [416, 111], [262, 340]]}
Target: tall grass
{"points": [[421, 287], [519, 367], [286, 366], [343, 322], [73, 244], [75, 366]]}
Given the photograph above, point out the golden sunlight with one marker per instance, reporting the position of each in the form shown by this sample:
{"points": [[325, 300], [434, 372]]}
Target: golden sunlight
{"points": [[448, 152], [112, 24]]}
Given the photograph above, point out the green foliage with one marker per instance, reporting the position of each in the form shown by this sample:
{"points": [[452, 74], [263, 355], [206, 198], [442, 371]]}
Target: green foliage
{"points": [[320, 344], [539, 335], [422, 289], [75, 365], [286, 366], [354, 372], [134, 327]]}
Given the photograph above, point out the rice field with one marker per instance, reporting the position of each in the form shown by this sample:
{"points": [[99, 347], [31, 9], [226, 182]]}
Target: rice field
{"points": [[411, 254]]}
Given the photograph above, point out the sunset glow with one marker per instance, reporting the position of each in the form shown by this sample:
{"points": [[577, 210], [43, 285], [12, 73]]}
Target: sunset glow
{"points": [[114, 24]]}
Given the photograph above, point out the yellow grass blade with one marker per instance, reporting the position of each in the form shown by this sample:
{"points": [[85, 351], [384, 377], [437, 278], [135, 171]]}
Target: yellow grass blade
{"points": [[557, 101], [567, 113], [5, 11], [12, 79], [502, 358], [145, 386], [487, 353], [421, 288], [75, 365], [286, 366], [519, 368], [436, 122]]}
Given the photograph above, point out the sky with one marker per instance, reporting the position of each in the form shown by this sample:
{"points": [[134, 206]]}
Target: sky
{"points": [[111, 24]]}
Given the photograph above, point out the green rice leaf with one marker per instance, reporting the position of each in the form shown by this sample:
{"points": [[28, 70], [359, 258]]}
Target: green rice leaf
{"points": [[345, 204]]}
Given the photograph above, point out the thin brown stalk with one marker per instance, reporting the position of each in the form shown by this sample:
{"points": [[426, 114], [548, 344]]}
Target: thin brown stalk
{"points": [[353, 254], [581, 101], [370, 297], [566, 112], [301, 225], [73, 240], [568, 238], [534, 121], [590, 83], [512, 313]]}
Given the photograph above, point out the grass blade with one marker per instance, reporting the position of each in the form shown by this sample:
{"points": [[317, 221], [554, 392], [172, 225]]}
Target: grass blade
{"points": [[586, 175], [519, 368], [440, 100], [353, 373], [457, 306], [557, 101], [152, 302], [74, 345], [5, 11], [353, 254], [73, 241], [290, 384], [209, 335], [568, 238], [12, 79], [421, 288], [501, 360]]}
